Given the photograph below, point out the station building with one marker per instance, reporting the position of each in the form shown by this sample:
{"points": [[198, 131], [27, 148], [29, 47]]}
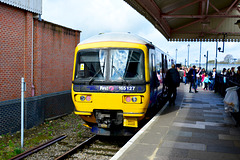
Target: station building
{"points": [[42, 52]]}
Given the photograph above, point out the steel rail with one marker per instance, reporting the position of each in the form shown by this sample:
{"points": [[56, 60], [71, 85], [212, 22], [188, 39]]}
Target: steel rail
{"points": [[78, 147], [38, 148]]}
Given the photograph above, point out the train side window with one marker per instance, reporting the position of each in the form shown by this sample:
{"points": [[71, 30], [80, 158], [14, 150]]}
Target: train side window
{"points": [[153, 63], [159, 66]]}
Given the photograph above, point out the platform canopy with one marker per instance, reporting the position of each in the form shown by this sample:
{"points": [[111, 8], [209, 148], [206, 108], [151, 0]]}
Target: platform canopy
{"points": [[192, 20]]}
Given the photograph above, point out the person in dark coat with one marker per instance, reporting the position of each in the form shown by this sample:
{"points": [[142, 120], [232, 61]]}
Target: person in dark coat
{"points": [[213, 76], [172, 82], [192, 79]]}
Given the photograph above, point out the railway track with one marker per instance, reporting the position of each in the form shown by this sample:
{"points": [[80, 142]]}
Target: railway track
{"points": [[78, 147], [38, 148], [95, 148]]}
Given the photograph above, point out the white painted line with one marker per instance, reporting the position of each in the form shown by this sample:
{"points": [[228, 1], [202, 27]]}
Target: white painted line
{"points": [[137, 135], [184, 145], [210, 123], [189, 125]]}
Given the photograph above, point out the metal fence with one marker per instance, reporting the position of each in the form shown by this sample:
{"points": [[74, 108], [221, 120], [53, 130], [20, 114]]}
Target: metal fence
{"points": [[222, 83]]}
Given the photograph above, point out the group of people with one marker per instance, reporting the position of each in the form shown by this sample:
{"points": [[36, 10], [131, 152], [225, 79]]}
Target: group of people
{"points": [[231, 72], [197, 77]]}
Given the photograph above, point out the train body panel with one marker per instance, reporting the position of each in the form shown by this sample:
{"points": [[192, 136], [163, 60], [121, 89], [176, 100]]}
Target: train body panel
{"points": [[116, 83], [112, 101]]}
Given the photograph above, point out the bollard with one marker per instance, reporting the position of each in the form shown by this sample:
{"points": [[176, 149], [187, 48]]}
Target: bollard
{"points": [[23, 89]]}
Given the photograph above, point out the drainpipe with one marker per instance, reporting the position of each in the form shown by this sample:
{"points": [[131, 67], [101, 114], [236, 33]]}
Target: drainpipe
{"points": [[33, 88]]}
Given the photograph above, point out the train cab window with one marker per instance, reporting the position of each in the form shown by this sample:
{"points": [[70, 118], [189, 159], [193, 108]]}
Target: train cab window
{"points": [[91, 64], [126, 64]]}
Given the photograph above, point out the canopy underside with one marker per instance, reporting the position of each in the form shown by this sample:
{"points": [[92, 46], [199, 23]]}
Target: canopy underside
{"points": [[193, 20]]}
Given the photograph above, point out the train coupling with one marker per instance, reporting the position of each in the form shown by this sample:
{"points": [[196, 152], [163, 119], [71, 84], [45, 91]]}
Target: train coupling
{"points": [[108, 118]]}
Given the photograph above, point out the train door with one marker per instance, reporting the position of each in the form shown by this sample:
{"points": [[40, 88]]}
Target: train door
{"points": [[159, 67], [154, 83], [166, 65], [165, 68], [153, 70]]}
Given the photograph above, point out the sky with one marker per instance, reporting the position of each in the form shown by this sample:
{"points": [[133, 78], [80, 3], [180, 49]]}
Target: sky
{"points": [[92, 17]]}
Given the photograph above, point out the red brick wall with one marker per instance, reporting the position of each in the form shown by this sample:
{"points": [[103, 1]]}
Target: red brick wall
{"points": [[53, 57], [13, 51], [53, 54]]}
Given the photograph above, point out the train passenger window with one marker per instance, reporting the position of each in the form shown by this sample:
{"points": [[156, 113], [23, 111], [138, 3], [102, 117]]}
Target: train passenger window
{"points": [[126, 64], [91, 64]]}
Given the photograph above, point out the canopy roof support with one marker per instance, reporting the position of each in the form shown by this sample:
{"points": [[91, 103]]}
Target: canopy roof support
{"points": [[192, 20]]}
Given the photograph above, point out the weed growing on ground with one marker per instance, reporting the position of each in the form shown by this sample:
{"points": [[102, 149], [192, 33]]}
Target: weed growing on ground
{"points": [[79, 134]]}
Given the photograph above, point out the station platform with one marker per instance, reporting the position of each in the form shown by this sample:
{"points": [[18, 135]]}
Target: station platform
{"points": [[196, 128]]}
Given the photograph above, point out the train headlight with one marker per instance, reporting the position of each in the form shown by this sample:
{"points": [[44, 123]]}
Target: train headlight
{"points": [[128, 99], [134, 99], [88, 98], [82, 98]]}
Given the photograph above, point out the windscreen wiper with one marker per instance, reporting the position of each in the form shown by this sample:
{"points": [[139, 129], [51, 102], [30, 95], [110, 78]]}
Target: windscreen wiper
{"points": [[92, 78], [124, 80]]}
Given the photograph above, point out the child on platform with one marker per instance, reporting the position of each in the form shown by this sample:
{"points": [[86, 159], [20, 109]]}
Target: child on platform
{"points": [[206, 81]]}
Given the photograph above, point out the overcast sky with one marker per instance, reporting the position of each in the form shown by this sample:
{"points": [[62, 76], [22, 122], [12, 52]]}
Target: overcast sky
{"points": [[101, 16]]}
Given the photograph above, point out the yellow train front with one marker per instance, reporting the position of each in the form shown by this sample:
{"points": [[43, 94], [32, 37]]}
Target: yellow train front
{"points": [[115, 82]]}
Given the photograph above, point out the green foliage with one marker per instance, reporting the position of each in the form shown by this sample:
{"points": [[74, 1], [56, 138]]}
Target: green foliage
{"points": [[66, 124], [18, 150], [50, 127], [79, 134], [40, 133], [10, 144], [50, 133], [211, 61]]}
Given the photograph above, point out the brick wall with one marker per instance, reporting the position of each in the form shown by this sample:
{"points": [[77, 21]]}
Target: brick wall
{"points": [[12, 51], [53, 59], [50, 47], [53, 53]]}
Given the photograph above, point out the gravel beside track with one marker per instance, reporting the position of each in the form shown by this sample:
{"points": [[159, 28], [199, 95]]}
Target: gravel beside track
{"points": [[102, 149], [72, 126]]}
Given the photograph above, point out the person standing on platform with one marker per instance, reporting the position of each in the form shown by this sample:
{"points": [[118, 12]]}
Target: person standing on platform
{"points": [[185, 76], [172, 82], [192, 79], [238, 73], [213, 75], [232, 72]]}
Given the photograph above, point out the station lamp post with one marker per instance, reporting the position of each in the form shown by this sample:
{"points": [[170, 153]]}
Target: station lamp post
{"points": [[200, 54], [206, 56], [188, 54], [176, 55]]}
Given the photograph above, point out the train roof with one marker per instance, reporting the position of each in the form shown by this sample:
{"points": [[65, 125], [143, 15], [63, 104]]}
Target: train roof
{"points": [[117, 37]]}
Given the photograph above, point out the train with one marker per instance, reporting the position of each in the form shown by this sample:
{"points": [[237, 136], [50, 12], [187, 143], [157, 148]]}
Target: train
{"points": [[118, 82]]}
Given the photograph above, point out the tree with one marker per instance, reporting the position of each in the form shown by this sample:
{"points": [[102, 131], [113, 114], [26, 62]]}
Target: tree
{"points": [[211, 61], [238, 61], [228, 58]]}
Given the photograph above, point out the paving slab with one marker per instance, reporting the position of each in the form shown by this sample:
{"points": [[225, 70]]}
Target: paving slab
{"points": [[196, 128]]}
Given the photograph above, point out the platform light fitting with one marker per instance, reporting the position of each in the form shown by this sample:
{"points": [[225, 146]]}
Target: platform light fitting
{"points": [[238, 23]]}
